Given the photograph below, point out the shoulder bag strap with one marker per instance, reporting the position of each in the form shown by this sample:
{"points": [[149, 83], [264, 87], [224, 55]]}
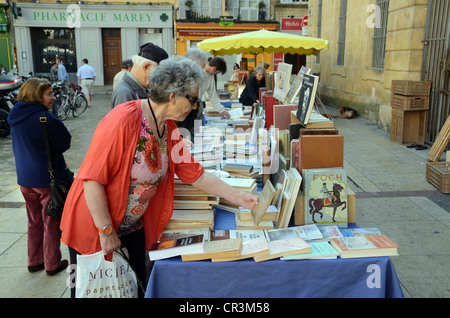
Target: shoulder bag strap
{"points": [[43, 120]]}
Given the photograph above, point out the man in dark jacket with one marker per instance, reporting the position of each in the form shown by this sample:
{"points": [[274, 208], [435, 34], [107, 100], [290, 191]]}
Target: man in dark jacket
{"points": [[134, 84]]}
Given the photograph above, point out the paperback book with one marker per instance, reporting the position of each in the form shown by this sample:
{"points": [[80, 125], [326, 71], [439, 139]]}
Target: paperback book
{"points": [[319, 250], [364, 246], [177, 247]]}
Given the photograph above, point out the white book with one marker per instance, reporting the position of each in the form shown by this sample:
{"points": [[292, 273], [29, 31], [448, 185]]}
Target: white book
{"points": [[306, 232]]}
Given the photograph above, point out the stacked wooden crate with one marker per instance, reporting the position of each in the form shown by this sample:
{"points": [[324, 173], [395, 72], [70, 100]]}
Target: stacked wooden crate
{"points": [[410, 101]]}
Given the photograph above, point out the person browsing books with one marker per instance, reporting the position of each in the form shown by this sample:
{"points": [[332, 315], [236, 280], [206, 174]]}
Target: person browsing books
{"points": [[123, 193], [35, 99], [134, 84], [250, 94]]}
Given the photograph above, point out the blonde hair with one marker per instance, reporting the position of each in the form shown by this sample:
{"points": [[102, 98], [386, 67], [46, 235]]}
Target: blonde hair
{"points": [[33, 89]]}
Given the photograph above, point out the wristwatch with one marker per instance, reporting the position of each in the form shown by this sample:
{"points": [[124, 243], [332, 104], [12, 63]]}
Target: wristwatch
{"points": [[106, 230]]}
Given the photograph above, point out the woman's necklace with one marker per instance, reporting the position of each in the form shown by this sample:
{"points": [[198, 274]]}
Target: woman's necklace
{"points": [[156, 122]]}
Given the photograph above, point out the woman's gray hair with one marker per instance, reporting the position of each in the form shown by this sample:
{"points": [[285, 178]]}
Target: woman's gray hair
{"points": [[176, 74], [258, 69]]}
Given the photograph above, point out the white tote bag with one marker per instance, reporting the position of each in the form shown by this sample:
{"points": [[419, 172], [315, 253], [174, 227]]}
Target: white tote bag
{"points": [[99, 278]]}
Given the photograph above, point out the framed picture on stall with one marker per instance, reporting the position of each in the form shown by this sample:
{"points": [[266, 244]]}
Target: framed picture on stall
{"points": [[282, 81]]}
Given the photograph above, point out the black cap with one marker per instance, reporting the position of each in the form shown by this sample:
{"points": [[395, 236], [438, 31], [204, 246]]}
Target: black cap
{"points": [[153, 52]]}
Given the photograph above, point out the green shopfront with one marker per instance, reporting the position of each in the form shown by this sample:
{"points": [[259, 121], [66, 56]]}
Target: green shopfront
{"points": [[105, 34], [6, 60]]}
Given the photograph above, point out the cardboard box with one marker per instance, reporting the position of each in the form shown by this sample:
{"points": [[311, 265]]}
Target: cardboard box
{"points": [[299, 208]]}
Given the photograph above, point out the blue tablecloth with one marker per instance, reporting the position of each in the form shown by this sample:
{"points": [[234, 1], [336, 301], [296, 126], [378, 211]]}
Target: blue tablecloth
{"points": [[372, 277]]}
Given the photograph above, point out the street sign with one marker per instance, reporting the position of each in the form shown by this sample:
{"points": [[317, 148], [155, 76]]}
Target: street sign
{"points": [[305, 20]]}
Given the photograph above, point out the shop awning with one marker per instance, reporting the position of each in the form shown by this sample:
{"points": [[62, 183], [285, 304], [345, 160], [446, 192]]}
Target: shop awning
{"points": [[264, 41]]}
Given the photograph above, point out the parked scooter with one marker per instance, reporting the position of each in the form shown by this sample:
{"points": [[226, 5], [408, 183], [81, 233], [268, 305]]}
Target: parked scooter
{"points": [[8, 84]]}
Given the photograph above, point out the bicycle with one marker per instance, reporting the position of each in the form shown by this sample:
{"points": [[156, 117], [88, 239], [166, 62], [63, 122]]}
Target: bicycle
{"points": [[65, 102]]}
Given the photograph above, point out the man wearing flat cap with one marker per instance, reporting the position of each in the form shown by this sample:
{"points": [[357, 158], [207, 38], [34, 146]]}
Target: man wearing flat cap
{"points": [[134, 83]]}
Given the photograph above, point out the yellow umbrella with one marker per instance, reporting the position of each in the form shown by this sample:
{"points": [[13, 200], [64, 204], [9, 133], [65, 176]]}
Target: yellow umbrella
{"points": [[263, 41]]}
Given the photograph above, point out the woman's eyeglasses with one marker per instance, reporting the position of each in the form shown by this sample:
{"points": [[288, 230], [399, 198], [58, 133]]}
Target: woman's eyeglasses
{"points": [[192, 100]]}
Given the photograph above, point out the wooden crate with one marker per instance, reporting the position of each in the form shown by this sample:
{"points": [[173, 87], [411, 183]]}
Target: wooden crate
{"points": [[410, 102], [411, 88], [438, 174], [408, 126], [440, 143]]}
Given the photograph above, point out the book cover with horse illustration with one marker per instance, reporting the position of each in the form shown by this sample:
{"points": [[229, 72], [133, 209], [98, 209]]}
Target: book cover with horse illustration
{"points": [[326, 196]]}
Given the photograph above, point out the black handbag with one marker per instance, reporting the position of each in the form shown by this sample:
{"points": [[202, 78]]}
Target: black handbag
{"points": [[58, 188]]}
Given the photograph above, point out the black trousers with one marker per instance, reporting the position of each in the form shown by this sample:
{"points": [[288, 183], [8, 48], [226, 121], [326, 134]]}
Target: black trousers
{"points": [[139, 260]]}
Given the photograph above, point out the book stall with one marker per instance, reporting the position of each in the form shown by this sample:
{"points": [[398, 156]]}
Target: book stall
{"points": [[302, 239]]}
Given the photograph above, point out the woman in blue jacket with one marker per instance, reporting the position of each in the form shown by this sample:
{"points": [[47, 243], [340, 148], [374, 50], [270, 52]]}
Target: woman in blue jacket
{"points": [[250, 94], [35, 99]]}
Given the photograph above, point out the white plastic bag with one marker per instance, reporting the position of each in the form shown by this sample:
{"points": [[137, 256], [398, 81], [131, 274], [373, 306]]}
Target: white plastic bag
{"points": [[99, 278]]}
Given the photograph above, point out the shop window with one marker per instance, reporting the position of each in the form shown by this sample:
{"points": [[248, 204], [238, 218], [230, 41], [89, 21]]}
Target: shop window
{"points": [[380, 30], [48, 44], [203, 8], [342, 32], [151, 36], [247, 10]]}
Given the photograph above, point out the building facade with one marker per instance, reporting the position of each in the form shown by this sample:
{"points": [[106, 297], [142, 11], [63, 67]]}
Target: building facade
{"points": [[373, 42], [105, 34]]}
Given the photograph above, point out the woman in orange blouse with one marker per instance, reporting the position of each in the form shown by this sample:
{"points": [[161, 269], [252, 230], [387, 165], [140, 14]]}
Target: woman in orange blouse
{"points": [[123, 192]]}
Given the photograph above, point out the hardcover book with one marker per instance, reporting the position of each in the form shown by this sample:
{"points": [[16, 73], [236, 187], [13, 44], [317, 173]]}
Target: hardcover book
{"points": [[289, 197], [307, 97], [326, 196], [296, 85], [264, 200]]}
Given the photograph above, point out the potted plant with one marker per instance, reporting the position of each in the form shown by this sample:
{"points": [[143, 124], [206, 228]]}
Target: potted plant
{"points": [[262, 10], [188, 5]]}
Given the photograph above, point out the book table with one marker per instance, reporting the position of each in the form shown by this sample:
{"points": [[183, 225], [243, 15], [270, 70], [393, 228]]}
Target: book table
{"points": [[371, 277]]}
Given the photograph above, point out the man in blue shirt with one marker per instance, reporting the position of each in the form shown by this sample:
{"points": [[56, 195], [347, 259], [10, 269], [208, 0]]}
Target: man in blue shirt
{"points": [[86, 77], [62, 73]]}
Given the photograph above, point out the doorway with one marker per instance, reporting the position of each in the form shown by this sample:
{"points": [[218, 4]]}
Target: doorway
{"points": [[112, 54]]}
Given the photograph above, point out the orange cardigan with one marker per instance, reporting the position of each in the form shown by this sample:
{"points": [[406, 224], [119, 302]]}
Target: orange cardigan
{"points": [[108, 161]]}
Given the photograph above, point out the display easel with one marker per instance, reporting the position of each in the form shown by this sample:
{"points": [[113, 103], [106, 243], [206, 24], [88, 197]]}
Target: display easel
{"points": [[318, 104]]}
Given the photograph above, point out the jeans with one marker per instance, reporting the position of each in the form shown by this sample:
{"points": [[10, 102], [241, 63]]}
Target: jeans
{"points": [[44, 234]]}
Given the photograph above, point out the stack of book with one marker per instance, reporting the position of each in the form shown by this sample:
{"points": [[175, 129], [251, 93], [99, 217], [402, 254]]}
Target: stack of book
{"points": [[240, 170], [191, 207]]}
